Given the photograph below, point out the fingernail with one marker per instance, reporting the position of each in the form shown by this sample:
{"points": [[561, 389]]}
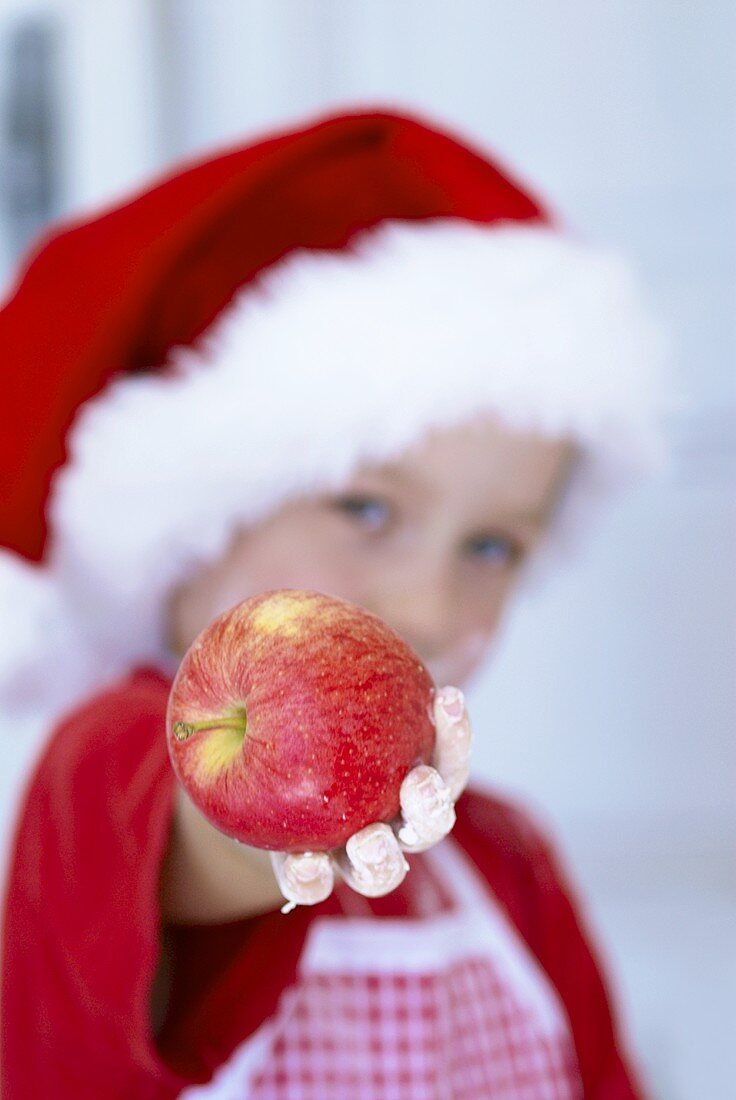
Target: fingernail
{"points": [[434, 800], [374, 850], [452, 702], [307, 869]]}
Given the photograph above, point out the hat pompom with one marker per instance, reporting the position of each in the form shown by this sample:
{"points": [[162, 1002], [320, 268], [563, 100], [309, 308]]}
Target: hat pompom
{"points": [[41, 663]]}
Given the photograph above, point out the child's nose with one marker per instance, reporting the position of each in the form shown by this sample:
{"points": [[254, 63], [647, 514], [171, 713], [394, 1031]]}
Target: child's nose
{"points": [[424, 615]]}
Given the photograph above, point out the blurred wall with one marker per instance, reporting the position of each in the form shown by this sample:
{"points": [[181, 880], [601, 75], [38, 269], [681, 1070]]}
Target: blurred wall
{"points": [[610, 705]]}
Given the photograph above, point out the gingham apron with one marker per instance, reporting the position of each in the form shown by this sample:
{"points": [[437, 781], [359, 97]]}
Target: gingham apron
{"points": [[450, 1006]]}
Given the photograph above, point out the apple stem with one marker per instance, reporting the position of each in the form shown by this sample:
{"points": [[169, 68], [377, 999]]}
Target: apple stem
{"points": [[184, 730]]}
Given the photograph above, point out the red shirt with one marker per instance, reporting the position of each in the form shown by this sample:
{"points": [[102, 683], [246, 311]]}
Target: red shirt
{"points": [[82, 924]]}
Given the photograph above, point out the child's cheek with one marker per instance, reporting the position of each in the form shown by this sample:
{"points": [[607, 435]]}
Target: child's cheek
{"points": [[458, 665]]}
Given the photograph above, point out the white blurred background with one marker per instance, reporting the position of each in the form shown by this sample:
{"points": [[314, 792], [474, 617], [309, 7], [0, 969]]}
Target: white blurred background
{"points": [[610, 707]]}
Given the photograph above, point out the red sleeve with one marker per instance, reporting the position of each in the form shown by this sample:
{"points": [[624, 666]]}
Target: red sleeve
{"points": [[528, 876], [81, 919]]}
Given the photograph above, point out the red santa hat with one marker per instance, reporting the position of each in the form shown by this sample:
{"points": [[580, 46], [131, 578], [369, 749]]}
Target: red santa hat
{"points": [[253, 326]]}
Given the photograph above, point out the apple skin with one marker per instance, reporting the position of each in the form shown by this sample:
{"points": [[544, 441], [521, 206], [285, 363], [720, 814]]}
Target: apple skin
{"points": [[294, 718]]}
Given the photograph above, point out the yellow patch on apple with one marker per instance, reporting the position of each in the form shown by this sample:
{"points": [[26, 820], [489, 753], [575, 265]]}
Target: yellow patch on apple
{"points": [[215, 751], [287, 614], [281, 614]]}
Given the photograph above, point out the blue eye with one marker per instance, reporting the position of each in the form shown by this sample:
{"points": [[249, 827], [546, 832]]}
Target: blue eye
{"points": [[496, 549], [371, 511]]}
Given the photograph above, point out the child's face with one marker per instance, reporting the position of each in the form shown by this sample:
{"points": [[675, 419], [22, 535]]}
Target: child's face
{"points": [[431, 543]]}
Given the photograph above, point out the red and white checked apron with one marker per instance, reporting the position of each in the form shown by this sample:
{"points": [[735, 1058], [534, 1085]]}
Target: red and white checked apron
{"points": [[449, 1006]]}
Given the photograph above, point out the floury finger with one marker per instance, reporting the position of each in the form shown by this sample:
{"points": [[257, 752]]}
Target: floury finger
{"points": [[304, 878], [373, 863], [454, 738], [427, 809]]}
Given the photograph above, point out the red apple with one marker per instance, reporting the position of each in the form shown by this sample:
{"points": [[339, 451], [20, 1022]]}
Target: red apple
{"points": [[294, 717]]}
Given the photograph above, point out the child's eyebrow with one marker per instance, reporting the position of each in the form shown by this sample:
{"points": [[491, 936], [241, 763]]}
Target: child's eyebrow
{"points": [[537, 517], [399, 473]]}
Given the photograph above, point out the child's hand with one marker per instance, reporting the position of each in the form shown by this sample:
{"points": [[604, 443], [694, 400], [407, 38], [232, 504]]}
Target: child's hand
{"points": [[372, 861]]}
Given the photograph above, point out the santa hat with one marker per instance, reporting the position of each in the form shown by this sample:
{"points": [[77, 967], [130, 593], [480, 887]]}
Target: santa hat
{"points": [[253, 326]]}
